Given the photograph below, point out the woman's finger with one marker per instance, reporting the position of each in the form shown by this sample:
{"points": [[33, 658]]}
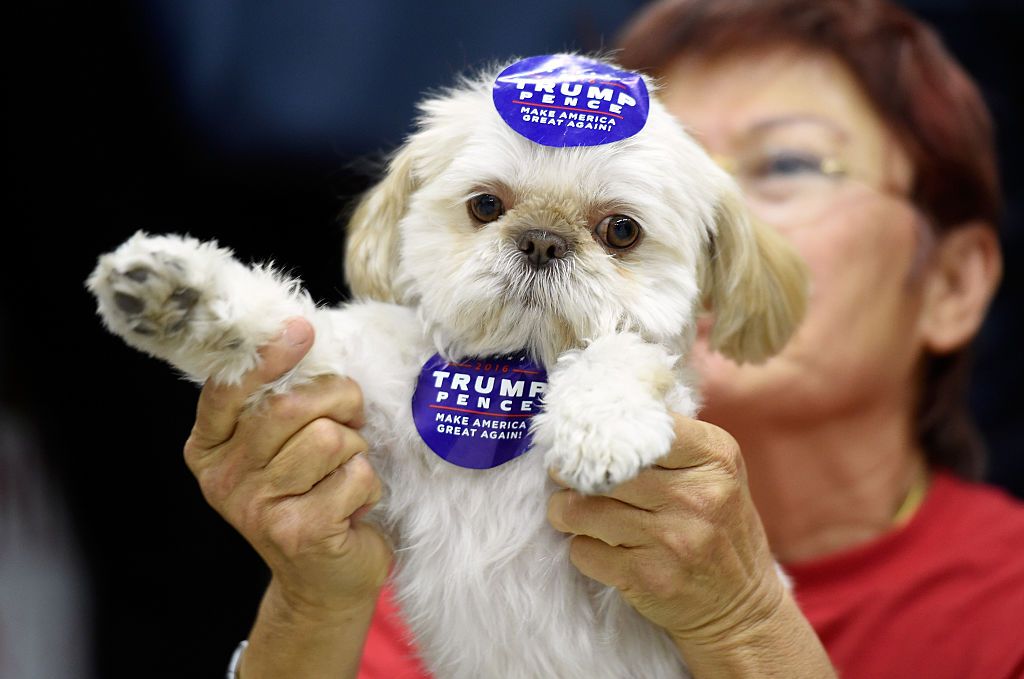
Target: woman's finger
{"points": [[600, 561], [702, 455], [318, 533], [220, 406], [699, 444], [311, 454], [603, 518], [338, 496], [270, 425]]}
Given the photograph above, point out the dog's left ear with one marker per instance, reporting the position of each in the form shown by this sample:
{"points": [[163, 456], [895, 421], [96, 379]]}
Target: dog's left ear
{"points": [[754, 283], [371, 245], [372, 239]]}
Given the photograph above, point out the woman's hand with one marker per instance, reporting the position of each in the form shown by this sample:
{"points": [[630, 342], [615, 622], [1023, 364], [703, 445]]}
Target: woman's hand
{"points": [[289, 476], [685, 546]]}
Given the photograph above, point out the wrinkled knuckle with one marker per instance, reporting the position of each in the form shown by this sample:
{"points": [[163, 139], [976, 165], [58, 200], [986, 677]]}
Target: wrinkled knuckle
{"points": [[725, 452], [376, 489], [698, 541], [354, 391], [732, 466], [661, 583], [277, 482], [352, 444], [649, 525], [283, 529], [731, 454], [676, 541], [677, 493], [728, 441], [206, 485], [353, 395], [282, 538], [361, 471], [246, 516], [325, 435], [289, 406], [719, 496], [216, 485], [193, 452]]}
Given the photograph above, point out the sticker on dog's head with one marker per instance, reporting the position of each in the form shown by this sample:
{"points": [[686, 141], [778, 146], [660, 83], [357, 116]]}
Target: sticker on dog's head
{"points": [[476, 413], [567, 100]]}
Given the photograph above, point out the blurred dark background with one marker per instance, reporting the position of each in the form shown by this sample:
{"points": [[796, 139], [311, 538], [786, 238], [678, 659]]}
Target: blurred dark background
{"points": [[247, 122]]}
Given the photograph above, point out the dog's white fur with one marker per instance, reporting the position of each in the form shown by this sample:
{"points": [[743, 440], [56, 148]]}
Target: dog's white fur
{"points": [[484, 581]]}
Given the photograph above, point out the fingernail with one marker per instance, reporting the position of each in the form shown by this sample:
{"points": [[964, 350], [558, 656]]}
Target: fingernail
{"points": [[296, 333], [553, 474]]}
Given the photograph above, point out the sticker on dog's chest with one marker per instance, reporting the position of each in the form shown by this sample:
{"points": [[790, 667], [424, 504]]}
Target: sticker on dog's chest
{"points": [[476, 413], [566, 100]]}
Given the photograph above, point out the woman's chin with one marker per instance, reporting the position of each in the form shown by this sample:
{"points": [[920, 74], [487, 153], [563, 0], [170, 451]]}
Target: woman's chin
{"points": [[743, 389]]}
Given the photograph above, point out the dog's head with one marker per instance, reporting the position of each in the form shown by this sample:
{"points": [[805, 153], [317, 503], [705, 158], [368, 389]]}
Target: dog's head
{"points": [[506, 244]]}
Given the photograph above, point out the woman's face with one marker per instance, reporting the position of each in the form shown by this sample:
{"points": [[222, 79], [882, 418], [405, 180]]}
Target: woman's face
{"points": [[815, 162]]}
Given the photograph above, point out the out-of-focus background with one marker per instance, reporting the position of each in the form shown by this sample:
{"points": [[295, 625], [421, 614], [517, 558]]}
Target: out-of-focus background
{"points": [[251, 122]]}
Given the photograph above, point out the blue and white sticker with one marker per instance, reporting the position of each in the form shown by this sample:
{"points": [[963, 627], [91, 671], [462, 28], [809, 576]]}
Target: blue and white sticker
{"points": [[476, 413], [566, 100]]}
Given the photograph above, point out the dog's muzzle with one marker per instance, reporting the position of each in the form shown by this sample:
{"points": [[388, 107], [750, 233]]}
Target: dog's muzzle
{"points": [[540, 248]]}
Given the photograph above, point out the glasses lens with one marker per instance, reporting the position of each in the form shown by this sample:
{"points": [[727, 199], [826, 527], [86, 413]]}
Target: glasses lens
{"points": [[790, 168]]}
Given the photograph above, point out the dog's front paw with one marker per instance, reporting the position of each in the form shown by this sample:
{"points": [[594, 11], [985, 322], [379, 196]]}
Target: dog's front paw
{"points": [[192, 304], [152, 288], [145, 292], [594, 455], [605, 416]]}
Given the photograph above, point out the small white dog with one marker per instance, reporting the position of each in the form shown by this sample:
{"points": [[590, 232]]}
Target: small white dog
{"points": [[506, 251]]}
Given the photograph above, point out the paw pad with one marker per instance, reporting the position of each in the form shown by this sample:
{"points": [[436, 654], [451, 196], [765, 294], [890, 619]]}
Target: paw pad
{"points": [[150, 297], [132, 306]]}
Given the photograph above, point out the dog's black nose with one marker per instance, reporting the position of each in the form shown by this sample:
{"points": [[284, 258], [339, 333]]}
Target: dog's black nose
{"points": [[540, 247]]}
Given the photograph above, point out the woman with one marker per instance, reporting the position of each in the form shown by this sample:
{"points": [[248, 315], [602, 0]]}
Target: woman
{"points": [[857, 136], [854, 134]]}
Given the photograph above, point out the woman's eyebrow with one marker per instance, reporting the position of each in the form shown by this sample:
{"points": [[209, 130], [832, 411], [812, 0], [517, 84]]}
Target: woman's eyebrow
{"points": [[764, 125]]}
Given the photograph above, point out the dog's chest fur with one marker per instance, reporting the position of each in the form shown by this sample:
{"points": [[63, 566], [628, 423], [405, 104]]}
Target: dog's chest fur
{"points": [[494, 588], [483, 580]]}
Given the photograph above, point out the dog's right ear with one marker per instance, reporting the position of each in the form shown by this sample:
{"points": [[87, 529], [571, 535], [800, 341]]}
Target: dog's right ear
{"points": [[371, 248]]}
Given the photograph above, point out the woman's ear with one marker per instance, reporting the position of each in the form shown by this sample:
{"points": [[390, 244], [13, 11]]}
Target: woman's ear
{"points": [[371, 247], [961, 280], [753, 282]]}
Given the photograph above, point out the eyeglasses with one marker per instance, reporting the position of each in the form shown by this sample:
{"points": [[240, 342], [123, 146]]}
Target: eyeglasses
{"points": [[792, 170], [779, 174]]}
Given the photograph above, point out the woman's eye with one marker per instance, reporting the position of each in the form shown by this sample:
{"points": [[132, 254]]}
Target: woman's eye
{"points": [[618, 232], [787, 165], [486, 207]]}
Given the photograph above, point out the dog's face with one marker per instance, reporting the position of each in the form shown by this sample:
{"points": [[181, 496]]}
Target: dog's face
{"points": [[505, 244]]}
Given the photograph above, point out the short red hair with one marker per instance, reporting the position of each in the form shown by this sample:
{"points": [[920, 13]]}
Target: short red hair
{"points": [[920, 93]]}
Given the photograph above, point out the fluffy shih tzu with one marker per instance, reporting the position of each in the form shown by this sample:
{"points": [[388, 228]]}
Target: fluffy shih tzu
{"points": [[527, 279]]}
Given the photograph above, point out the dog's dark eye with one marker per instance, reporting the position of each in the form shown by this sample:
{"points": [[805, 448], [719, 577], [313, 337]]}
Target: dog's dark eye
{"points": [[485, 207], [618, 232]]}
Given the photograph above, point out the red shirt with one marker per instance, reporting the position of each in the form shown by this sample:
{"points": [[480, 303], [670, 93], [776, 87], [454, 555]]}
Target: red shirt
{"points": [[388, 651], [942, 596]]}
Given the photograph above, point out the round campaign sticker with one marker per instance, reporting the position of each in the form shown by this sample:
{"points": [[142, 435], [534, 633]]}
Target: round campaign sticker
{"points": [[476, 413], [566, 100]]}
